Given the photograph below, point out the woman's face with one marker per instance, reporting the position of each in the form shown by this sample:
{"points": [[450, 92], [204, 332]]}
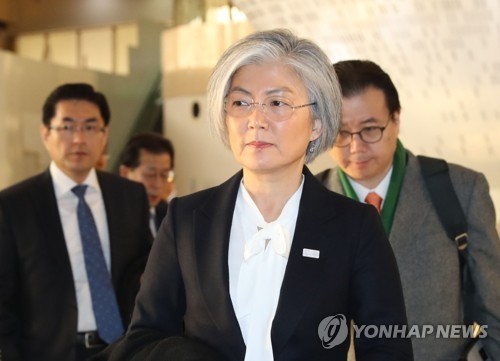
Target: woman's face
{"points": [[265, 140]]}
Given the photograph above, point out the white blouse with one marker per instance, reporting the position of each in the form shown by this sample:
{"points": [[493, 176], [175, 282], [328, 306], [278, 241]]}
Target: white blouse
{"points": [[258, 255]]}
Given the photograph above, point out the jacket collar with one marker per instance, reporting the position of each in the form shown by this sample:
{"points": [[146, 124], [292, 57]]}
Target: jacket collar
{"points": [[212, 225]]}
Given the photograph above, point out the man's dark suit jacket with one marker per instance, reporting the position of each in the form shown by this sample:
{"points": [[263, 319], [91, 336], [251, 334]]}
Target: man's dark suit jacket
{"points": [[160, 212], [185, 287], [135, 271], [38, 307]]}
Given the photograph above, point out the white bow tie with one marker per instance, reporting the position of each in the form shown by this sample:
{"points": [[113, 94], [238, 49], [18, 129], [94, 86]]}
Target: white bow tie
{"points": [[274, 234]]}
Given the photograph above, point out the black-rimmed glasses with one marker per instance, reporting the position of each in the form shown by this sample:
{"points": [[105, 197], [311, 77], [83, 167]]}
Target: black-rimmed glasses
{"points": [[369, 135], [68, 130], [167, 177]]}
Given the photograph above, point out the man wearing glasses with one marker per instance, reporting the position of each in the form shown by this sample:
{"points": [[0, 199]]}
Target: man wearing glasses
{"points": [[374, 167], [67, 238], [148, 158]]}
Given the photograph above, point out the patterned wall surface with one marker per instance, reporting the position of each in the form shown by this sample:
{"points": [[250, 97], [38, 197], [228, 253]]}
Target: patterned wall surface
{"points": [[443, 56]]}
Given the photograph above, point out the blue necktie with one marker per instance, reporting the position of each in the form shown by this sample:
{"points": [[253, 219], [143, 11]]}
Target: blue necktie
{"points": [[107, 316]]}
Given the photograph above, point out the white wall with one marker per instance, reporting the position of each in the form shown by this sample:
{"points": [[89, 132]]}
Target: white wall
{"points": [[105, 49], [201, 161]]}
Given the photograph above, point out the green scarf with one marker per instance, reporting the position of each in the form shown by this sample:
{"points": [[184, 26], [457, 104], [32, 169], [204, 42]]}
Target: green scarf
{"points": [[391, 199]]}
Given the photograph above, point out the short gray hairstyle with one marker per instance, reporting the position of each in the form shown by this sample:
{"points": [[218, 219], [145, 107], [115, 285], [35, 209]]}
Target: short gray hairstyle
{"points": [[311, 64]]}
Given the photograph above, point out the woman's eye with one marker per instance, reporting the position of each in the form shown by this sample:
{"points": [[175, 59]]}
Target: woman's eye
{"points": [[277, 103], [240, 103]]}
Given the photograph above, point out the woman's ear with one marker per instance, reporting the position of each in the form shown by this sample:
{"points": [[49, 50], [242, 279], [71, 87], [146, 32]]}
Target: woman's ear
{"points": [[316, 130]]}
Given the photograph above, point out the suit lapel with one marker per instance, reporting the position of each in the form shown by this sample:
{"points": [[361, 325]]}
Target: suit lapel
{"points": [[212, 227], [302, 274], [412, 206], [45, 204]]}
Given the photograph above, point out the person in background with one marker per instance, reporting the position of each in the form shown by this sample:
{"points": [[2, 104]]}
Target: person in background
{"points": [[67, 237], [148, 158], [268, 265], [374, 166]]}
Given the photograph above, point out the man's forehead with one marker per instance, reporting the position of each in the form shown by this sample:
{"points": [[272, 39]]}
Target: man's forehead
{"points": [[163, 157], [77, 103], [360, 122], [77, 110]]}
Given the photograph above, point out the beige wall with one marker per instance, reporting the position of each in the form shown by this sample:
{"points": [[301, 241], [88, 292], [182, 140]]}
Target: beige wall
{"points": [[105, 49]]}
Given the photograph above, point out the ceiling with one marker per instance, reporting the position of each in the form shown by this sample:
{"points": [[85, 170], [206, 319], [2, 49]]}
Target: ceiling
{"points": [[36, 15]]}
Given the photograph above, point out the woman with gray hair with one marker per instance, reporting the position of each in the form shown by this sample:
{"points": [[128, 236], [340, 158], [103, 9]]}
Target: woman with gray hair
{"points": [[269, 265]]}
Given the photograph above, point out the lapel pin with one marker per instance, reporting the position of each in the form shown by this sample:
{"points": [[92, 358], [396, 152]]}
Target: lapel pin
{"points": [[310, 253]]}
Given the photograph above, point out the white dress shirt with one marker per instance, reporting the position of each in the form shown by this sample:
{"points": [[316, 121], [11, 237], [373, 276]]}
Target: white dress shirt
{"points": [[381, 189], [152, 221], [258, 255], [67, 203]]}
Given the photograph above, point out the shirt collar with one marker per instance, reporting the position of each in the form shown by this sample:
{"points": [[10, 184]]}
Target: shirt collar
{"points": [[381, 189], [63, 184]]}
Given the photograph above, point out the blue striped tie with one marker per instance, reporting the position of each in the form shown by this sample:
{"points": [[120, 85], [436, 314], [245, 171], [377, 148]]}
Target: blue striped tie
{"points": [[107, 315]]}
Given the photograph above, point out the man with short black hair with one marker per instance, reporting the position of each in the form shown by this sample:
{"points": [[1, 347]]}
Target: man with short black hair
{"points": [[148, 158], [374, 167], [67, 238]]}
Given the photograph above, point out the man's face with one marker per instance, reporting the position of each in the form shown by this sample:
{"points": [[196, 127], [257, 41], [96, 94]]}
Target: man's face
{"points": [[367, 163], [75, 138], [153, 171]]}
